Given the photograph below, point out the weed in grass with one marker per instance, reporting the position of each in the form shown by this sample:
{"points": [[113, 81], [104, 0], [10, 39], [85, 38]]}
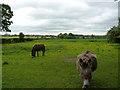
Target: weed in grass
{"points": [[5, 63]]}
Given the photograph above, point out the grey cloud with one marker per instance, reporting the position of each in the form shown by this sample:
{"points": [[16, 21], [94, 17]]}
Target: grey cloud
{"points": [[61, 17], [119, 9]]}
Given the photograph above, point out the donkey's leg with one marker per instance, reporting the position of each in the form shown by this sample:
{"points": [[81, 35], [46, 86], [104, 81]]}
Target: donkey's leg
{"points": [[86, 83], [37, 54], [43, 52]]}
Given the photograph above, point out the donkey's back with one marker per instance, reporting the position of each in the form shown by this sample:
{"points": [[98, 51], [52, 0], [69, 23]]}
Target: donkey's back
{"points": [[39, 47]]}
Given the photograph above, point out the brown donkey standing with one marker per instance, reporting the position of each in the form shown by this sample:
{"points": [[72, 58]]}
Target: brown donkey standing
{"points": [[86, 64], [36, 48]]}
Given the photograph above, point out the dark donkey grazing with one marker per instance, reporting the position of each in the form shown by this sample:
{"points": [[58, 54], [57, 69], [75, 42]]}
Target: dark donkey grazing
{"points": [[86, 64], [36, 48]]}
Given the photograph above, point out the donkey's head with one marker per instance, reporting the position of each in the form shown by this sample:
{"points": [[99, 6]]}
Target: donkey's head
{"points": [[85, 62], [33, 53]]}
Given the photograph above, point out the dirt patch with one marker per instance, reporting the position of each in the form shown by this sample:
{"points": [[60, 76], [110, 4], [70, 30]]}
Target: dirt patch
{"points": [[69, 58]]}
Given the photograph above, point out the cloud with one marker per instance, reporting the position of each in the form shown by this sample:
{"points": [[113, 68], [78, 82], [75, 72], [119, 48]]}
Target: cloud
{"points": [[56, 16]]}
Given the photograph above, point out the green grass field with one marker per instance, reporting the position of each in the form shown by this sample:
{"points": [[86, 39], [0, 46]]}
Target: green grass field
{"points": [[57, 69]]}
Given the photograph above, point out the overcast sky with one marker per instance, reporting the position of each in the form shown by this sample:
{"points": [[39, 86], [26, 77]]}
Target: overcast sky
{"points": [[63, 16]]}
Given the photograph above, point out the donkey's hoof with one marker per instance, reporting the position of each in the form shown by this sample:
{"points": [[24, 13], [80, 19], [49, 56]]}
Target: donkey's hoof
{"points": [[33, 56], [85, 86]]}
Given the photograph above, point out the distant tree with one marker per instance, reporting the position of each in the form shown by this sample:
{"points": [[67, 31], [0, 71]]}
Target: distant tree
{"points": [[43, 37], [70, 36], [5, 15], [119, 23], [112, 34], [92, 36], [61, 36], [21, 36], [66, 36], [83, 37]]}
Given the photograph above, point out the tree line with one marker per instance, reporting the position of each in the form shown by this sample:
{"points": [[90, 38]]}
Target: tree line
{"points": [[76, 36]]}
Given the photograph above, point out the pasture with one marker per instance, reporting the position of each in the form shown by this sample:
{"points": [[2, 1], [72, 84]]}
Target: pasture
{"points": [[57, 69]]}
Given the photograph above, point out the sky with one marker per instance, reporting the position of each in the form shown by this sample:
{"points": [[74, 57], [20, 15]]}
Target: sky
{"points": [[51, 17]]}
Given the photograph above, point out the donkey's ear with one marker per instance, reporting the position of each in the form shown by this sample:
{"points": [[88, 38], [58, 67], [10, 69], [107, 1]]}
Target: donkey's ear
{"points": [[80, 62]]}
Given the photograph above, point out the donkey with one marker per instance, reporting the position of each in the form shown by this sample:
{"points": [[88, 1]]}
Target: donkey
{"points": [[36, 48], [86, 64]]}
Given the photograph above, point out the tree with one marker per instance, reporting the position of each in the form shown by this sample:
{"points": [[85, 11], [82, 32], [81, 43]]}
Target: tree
{"points": [[83, 37], [112, 34], [70, 36], [21, 36], [5, 15], [61, 36], [119, 24], [66, 36], [92, 36]]}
